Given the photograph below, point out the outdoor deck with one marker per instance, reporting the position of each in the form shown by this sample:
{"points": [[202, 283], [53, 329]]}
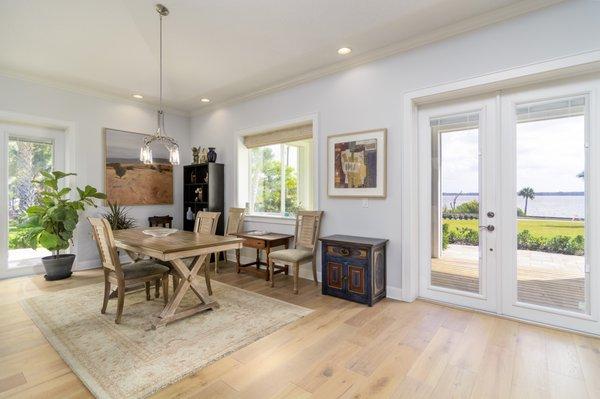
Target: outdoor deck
{"points": [[546, 279]]}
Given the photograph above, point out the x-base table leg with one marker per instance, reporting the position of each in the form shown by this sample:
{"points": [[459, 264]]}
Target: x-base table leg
{"points": [[187, 281]]}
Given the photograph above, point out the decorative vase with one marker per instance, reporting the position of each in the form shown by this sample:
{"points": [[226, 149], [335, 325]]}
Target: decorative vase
{"points": [[58, 267], [212, 155], [189, 215]]}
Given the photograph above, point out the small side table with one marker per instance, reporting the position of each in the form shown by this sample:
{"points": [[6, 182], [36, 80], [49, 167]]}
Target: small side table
{"points": [[354, 268], [262, 242]]}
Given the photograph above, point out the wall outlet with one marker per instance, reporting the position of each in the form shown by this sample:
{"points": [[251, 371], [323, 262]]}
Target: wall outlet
{"points": [[365, 203]]}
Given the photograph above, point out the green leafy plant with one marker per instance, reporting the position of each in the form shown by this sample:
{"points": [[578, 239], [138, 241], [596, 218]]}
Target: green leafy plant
{"points": [[50, 223], [117, 217]]}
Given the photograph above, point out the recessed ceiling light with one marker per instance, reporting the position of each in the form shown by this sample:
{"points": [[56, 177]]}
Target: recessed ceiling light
{"points": [[138, 96], [344, 51], [205, 100]]}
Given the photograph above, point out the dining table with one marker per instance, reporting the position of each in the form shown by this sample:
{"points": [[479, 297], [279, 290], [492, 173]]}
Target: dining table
{"points": [[173, 249]]}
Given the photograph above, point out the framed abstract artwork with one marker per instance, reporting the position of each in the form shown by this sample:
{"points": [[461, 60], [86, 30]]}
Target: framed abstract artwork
{"points": [[356, 164], [127, 180]]}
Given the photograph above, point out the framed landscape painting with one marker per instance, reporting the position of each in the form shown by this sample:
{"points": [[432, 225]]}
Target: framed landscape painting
{"points": [[357, 164], [130, 182]]}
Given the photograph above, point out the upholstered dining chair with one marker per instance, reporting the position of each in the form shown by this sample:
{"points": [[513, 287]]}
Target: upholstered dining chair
{"points": [[308, 226], [143, 271], [235, 222], [206, 223]]}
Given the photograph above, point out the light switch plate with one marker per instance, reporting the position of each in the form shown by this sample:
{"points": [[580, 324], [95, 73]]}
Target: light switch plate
{"points": [[365, 203]]}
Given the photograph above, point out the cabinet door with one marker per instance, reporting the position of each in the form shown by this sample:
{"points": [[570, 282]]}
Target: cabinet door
{"points": [[335, 279], [356, 280]]}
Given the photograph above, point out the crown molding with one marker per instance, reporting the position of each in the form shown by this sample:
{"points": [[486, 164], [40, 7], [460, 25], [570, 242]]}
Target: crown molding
{"points": [[89, 92], [467, 25]]}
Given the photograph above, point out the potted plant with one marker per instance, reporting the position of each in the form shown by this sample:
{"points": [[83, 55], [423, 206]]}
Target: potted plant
{"points": [[51, 222], [117, 217]]}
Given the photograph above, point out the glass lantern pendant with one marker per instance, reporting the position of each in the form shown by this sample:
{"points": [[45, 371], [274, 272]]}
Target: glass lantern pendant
{"points": [[168, 142]]}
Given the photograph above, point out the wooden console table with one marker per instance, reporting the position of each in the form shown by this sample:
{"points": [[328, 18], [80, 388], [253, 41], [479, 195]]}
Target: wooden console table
{"points": [[262, 242]]}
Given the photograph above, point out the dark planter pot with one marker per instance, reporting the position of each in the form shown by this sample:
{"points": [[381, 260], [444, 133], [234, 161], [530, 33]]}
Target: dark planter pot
{"points": [[211, 155], [59, 267]]}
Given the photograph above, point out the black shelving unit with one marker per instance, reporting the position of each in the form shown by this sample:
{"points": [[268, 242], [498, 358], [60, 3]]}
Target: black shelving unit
{"points": [[213, 190]]}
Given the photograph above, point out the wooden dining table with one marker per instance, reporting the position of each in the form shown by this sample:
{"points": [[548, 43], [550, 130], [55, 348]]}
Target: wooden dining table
{"points": [[174, 249]]}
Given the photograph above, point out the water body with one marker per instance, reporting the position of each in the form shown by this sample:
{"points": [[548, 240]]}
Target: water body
{"points": [[565, 206]]}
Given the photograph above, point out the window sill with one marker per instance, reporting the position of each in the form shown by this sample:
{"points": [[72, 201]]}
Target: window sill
{"points": [[270, 219]]}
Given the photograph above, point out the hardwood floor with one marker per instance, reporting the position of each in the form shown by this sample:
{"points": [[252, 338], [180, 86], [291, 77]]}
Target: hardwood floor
{"points": [[345, 350]]}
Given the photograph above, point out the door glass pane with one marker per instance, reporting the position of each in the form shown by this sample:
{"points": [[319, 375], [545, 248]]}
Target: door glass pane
{"points": [[551, 204], [455, 260], [26, 158]]}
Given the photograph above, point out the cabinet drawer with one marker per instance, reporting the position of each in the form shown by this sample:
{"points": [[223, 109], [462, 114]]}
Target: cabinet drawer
{"points": [[348, 252], [254, 243]]}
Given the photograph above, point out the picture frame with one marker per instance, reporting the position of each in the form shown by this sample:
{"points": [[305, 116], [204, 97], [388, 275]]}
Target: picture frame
{"points": [[128, 181], [357, 164]]}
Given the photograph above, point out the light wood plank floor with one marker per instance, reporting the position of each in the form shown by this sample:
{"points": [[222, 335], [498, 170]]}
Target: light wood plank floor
{"points": [[342, 350]]}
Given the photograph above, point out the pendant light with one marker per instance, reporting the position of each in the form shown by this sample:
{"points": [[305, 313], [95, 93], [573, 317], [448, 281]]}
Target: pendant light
{"points": [[159, 136]]}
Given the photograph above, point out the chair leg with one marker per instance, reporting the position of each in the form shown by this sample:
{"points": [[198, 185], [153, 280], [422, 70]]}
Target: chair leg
{"points": [[120, 301], [217, 262], [272, 272], [314, 267], [207, 276], [106, 296], [296, 268], [147, 290], [165, 284], [175, 282], [157, 288]]}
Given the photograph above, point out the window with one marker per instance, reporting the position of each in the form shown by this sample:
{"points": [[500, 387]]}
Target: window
{"points": [[279, 168], [24, 152]]}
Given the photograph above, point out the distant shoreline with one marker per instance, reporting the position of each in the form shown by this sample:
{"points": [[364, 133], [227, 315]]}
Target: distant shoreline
{"points": [[541, 194]]}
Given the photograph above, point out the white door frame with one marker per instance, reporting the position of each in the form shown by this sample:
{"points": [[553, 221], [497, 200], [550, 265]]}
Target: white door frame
{"points": [[486, 107], [590, 89], [553, 69]]}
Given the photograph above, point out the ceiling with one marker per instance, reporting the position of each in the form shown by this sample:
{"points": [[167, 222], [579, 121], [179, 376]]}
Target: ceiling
{"points": [[224, 50]]}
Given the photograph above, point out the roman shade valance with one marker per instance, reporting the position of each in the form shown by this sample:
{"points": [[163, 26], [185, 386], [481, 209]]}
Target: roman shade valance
{"points": [[285, 135]]}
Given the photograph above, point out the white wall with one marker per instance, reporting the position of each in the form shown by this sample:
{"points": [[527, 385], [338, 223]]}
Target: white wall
{"points": [[370, 96], [89, 116]]}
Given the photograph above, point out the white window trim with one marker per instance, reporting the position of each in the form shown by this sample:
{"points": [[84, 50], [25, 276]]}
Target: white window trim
{"points": [[69, 129], [241, 177]]}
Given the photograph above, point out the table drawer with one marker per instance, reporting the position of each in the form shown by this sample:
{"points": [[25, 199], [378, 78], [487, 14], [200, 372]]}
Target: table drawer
{"points": [[348, 252], [254, 243]]}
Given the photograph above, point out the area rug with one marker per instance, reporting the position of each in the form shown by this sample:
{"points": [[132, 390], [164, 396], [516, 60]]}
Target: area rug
{"points": [[130, 360]]}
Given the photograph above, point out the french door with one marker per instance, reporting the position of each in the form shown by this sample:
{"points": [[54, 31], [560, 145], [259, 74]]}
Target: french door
{"points": [[24, 152], [510, 191]]}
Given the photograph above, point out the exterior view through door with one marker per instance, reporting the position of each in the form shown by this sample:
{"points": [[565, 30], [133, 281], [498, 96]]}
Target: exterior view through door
{"points": [[511, 190]]}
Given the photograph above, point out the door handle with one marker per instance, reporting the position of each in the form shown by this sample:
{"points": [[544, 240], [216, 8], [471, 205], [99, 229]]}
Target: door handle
{"points": [[489, 227]]}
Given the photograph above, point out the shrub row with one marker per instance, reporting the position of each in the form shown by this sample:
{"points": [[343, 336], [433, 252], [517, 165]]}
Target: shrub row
{"points": [[558, 244]]}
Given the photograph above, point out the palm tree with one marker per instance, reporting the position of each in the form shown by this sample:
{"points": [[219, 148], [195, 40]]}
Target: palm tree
{"points": [[527, 193]]}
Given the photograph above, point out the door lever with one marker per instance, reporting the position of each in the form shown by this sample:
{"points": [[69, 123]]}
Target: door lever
{"points": [[489, 227]]}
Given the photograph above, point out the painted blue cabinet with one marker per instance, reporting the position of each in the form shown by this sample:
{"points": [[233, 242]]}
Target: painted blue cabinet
{"points": [[354, 268]]}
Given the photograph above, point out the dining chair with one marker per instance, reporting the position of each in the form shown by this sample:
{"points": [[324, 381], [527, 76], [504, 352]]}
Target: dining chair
{"points": [[308, 226], [206, 223], [161, 221], [235, 222], [124, 275]]}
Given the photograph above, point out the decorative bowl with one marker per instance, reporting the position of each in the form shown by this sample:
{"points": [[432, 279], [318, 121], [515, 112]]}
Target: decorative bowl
{"points": [[159, 232]]}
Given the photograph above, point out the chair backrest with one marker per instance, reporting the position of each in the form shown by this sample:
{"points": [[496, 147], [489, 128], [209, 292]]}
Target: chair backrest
{"points": [[308, 226], [106, 244], [160, 221], [235, 220], [206, 222]]}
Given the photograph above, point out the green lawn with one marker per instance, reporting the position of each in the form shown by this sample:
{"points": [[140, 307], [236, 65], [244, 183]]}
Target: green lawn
{"points": [[537, 227]]}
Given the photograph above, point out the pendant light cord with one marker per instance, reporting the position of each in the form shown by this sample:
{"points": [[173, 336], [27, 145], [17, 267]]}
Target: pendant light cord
{"points": [[160, 65]]}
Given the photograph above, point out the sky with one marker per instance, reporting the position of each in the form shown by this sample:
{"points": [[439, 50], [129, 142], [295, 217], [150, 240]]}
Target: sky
{"points": [[550, 154]]}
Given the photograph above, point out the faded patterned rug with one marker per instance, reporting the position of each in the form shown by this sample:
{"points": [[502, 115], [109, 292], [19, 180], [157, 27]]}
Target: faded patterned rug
{"points": [[130, 360]]}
